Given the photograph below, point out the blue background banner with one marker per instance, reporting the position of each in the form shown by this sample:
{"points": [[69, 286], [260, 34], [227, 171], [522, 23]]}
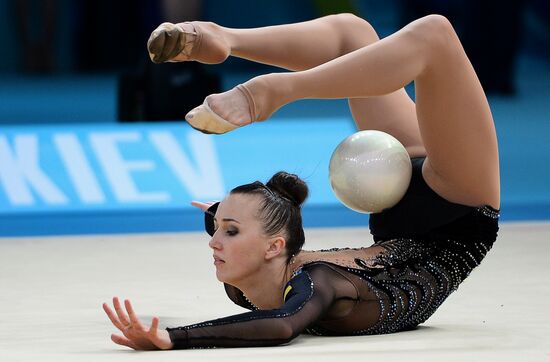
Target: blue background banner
{"points": [[118, 178]]}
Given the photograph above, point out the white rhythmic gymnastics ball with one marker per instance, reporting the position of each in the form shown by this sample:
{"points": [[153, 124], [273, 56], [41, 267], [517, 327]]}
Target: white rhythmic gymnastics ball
{"points": [[370, 171]]}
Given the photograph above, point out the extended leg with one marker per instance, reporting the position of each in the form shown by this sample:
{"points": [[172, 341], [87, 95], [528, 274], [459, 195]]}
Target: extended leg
{"points": [[302, 46], [454, 117], [305, 45]]}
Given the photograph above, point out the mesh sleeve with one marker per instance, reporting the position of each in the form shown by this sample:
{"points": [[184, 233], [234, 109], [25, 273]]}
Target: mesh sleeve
{"points": [[308, 296]]}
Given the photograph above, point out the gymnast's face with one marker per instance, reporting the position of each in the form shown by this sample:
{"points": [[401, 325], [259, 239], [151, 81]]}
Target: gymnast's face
{"points": [[240, 247]]}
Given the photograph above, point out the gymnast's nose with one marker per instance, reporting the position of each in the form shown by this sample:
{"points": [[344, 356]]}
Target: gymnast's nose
{"points": [[214, 242]]}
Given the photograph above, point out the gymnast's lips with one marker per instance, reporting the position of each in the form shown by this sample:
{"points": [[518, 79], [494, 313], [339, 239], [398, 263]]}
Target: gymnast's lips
{"points": [[218, 260]]}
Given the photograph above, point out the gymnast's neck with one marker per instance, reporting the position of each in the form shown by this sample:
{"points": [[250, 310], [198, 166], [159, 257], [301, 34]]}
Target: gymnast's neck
{"points": [[264, 288]]}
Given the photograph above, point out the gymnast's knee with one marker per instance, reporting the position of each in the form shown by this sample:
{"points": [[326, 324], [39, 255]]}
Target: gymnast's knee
{"points": [[434, 31], [356, 32]]}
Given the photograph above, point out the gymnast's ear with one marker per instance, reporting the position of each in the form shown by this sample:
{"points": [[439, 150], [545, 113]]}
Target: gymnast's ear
{"points": [[275, 246]]}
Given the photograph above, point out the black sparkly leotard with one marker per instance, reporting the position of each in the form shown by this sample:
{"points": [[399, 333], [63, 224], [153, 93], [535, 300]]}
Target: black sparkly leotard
{"points": [[424, 248]]}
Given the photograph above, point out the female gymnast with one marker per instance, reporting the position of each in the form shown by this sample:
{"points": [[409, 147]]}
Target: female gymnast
{"points": [[425, 246]]}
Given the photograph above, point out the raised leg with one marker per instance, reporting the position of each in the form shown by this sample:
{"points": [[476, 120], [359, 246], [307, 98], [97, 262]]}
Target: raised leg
{"points": [[302, 46], [305, 45], [455, 121]]}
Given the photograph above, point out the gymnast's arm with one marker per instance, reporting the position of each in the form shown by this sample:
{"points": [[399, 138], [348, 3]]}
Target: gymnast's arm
{"points": [[310, 296]]}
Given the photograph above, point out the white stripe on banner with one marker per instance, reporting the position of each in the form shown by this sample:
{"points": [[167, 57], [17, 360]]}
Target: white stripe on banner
{"points": [[79, 168], [20, 173]]}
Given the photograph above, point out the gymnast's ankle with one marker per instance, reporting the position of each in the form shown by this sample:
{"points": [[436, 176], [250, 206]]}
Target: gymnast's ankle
{"points": [[209, 45], [265, 94]]}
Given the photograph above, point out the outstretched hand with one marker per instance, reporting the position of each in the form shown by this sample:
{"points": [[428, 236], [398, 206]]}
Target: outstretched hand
{"points": [[135, 334]]}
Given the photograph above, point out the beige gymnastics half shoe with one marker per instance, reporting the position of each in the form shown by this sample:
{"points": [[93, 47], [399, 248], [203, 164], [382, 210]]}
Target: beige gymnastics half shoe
{"points": [[171, 42], [187, 41], [203, 118]]}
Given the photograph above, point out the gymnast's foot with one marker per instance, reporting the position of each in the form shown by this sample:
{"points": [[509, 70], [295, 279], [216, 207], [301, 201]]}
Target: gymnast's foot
{"points": [[198, 40], [252, 101], [221, 113]]}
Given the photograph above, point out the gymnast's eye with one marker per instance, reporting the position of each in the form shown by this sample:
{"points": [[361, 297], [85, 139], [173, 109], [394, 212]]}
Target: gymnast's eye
{"points": [[232, 232]]}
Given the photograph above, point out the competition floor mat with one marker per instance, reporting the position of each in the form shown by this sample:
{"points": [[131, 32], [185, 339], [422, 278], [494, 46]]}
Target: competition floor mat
{"points": [[53, 288]]}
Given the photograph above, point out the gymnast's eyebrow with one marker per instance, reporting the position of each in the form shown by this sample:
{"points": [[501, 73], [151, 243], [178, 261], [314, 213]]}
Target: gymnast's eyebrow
{"points": [[224, 219], [229, 219]]}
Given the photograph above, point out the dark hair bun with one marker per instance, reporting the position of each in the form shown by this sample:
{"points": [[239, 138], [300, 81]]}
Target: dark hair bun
{"points": [[289, 186]]}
